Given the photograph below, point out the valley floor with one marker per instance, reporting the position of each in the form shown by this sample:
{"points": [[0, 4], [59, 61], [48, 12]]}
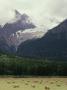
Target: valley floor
{"points": [[33, 83]]}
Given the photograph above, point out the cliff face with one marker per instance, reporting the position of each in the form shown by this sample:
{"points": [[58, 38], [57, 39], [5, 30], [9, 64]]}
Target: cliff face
{"points": [[52, 45], [8, 31]]}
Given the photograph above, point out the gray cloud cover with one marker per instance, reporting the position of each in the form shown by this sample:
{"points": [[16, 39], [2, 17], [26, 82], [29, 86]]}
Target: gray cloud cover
{"points": [[41, 10]]}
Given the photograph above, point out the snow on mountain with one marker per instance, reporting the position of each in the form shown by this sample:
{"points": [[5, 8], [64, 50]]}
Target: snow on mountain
{"points": [[19, 22], [21, 36], [52, 45], [21, 28]]}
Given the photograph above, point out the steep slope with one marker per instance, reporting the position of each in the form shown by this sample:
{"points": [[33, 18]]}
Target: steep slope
{"points": [[4, 48], [20, 22], [8, 31], [52, 45], [29, 34]]}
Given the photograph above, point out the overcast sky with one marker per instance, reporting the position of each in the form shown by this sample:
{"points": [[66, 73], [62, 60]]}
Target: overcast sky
{"points": [[44, 12]]}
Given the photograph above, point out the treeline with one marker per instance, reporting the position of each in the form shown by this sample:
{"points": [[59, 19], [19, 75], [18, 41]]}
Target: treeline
{"points": [[14, 65]]}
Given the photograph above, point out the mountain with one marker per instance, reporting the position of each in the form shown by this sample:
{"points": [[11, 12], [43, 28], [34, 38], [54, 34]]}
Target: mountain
{"points": [[52, 45], [20, 22], [22, 36], [9, 30]]}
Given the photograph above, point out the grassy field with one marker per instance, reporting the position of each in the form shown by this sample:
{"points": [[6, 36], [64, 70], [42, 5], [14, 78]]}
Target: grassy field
{"points": [[33, 83]]}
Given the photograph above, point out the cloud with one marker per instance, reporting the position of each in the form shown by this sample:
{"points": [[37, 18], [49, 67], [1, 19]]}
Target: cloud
{"points": [[41, 10]]}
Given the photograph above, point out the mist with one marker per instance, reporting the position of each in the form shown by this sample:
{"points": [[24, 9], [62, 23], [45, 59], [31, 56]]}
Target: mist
{"points": [[45, 12]]}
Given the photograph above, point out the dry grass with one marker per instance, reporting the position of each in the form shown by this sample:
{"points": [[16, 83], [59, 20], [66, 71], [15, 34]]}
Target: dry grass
{"points": [[47, 88], [33, 83], [16, 86]]}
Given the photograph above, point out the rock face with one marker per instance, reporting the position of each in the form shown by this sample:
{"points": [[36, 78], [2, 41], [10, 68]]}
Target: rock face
{"points": [[52, 45], [8, 31], [21, 22]]}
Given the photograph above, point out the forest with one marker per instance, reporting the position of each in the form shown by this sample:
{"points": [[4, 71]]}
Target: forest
{"points": [[25, 66]]}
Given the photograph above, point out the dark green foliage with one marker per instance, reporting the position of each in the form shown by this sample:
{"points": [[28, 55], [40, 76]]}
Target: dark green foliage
{"points": [[14, 65]]}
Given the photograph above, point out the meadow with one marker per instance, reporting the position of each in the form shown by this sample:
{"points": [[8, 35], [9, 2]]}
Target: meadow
{"points": [[24, 73], [33, 83]]}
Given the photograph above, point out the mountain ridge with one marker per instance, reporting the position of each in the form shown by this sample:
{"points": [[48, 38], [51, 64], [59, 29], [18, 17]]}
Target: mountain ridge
{"points": [[52, 45], [8, 31]]}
